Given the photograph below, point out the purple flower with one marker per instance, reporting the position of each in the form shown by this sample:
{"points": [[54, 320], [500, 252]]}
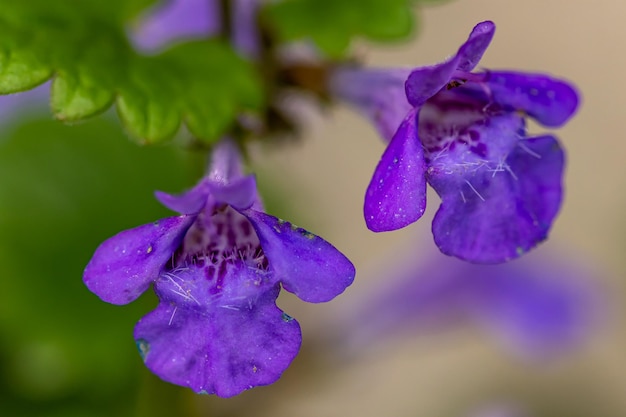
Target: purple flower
{"points": [[465, 134], [537, 307], [245, 30], [175, 20], [32, 100], [217, 271], [198, 19]]}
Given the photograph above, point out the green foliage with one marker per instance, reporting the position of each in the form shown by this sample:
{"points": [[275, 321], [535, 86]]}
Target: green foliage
{"points": [[82, 45], [63, 190], [332, 24]]}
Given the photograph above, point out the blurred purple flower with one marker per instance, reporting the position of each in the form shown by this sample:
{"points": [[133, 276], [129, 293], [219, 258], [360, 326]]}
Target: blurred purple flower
{"points": [[174, 20], [217, 271], [245, 29], [177, 20], [31, 100], [536, 306], [464, 133]]}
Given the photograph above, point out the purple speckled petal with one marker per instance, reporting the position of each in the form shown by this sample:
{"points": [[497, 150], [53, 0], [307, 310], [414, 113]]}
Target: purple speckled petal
{"points": [[306, 264], [216, 349], [176, 19], [472, 50], [492, 214], [123, 266], [377, 93], [396, 195], [549, 101]]}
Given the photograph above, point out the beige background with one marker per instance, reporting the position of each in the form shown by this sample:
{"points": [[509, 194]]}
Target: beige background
{"points": [[447, 375]]}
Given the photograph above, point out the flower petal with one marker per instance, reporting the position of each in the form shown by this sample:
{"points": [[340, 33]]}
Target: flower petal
{"points": [[306, 264], [123, 266], [472, 50], [175, 20], [189, 202], [539, 305], [245, 29], [492, 215], [550, 101], [396, 195], [425, 82], [241, 193], [219, 350]]}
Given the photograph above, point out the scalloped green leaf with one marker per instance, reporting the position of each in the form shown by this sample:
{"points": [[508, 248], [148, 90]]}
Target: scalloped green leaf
{"points": [[73, 98], [333, 24], [82, 46], [21, 70]]}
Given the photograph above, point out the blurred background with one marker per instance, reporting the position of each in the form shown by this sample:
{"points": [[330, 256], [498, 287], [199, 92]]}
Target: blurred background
{"points": [[63, 189]]}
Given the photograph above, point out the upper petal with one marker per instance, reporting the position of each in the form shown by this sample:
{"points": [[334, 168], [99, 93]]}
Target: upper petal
{"points": [[425, 82], [396, 195], [123, 266], [220, 350], [495, 213], [548, 100], [306, 264], [188, 202], [241, 193], [472, 50]]}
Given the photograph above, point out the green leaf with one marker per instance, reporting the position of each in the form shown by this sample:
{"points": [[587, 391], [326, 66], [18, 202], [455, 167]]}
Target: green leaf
{"points": [[82, 44], [61, 195], [332, 24]]}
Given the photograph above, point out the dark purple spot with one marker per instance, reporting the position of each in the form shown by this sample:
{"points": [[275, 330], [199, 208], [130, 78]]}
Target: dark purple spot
{"points": [[434, 148], [245, 227], [209, 272], [474, 135], [221, 273], [480, 149], [231, 236]]}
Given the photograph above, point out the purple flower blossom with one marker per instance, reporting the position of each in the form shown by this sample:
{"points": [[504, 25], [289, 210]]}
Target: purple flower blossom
{"points": [[175, 20], [217, 271], [245, 30], [536, 307], [464, 133], [32, 100]]}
